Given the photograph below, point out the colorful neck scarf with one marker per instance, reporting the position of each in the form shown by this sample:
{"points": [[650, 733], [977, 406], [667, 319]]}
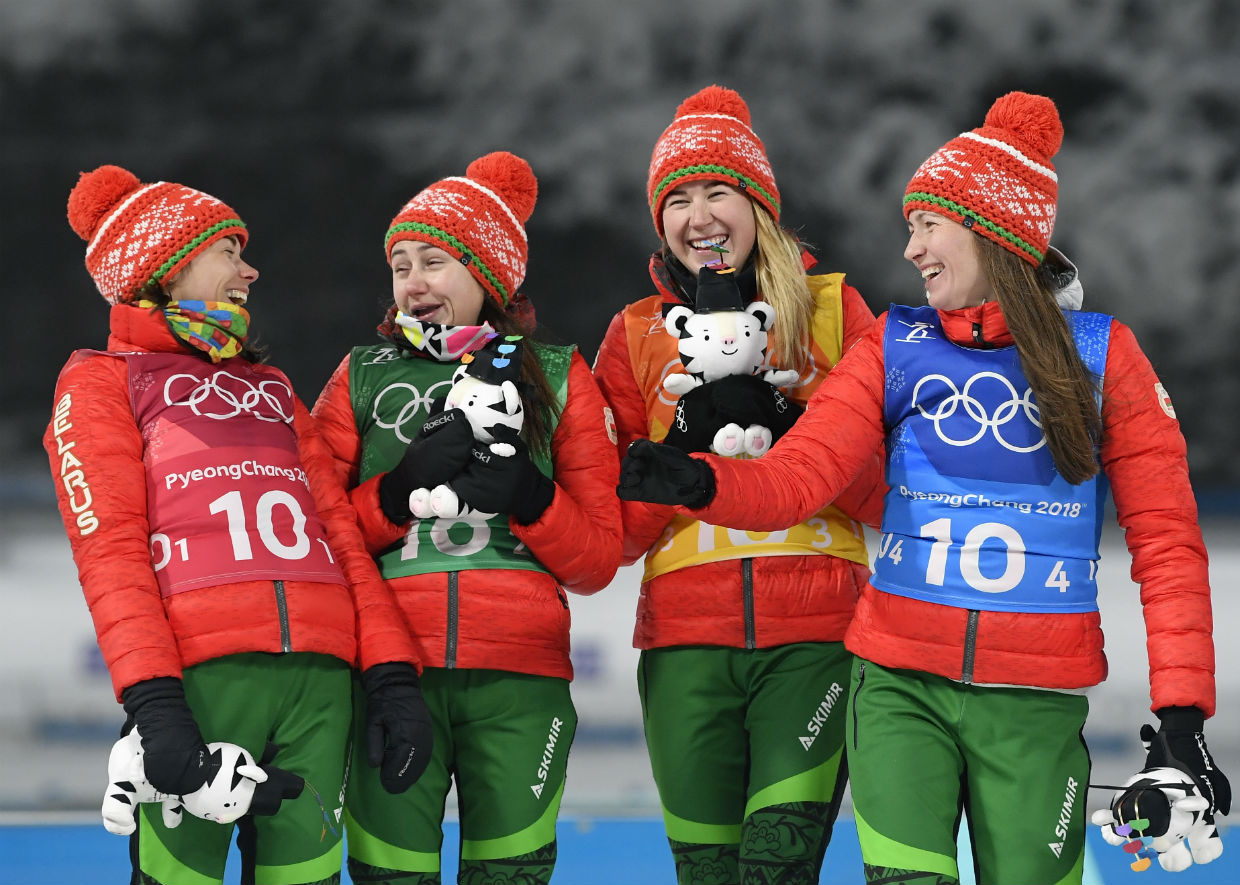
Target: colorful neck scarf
{"points": [[217, 328], [442, 343]]}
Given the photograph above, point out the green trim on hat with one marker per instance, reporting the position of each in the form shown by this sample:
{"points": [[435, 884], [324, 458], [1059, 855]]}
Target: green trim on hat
{"points": [[934, 200], [179, 255], [418, 227], [710, 169]]}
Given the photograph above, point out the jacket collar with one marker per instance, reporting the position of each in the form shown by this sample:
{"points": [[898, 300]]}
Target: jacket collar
{"points": [[982, 325], [140, 328]]}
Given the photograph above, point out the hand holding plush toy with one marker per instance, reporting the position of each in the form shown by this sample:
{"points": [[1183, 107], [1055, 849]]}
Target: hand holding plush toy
{"points": [[437, 452], [729, 403], [484, 390], [225, 798], [1173, 800], [1164, 805]]}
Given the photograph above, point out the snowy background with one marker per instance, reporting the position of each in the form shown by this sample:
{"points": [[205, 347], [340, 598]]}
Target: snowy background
{"points": [[316, 121]]}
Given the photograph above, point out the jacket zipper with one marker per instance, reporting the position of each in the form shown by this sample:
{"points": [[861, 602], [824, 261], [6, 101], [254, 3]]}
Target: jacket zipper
{"points": [[970, 646], [286, 639], [560, 594], [751, 638], [856, 694], [449, 656]]}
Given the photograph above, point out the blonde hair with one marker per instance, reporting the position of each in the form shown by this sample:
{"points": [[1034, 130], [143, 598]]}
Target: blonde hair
{"points": [[1065, 391], [780, 275]]}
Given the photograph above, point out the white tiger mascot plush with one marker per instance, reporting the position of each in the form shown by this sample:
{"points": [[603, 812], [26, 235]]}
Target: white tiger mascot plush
{"points": [[485, 389], [223, 799], [718, 337], [1172, 810]]}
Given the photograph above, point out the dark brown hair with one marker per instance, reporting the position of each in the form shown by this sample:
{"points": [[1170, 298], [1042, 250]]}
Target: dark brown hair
{"points": [[537, 397], [1065, 391]]}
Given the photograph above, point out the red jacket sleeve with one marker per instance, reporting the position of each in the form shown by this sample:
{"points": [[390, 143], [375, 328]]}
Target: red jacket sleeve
{"points": [[863, 498], [811, 464], [382, 634], [578, 537], [1145, 459], [613, 370], [334, 414], [95, 450]]}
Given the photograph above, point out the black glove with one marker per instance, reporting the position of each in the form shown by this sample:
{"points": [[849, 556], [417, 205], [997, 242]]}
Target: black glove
{"points": [[438, 452], [175, 756], [1144, 801], [1179, 743], [399, 736], [736, 399], [664, 475], [513, 485], [281, 784]]}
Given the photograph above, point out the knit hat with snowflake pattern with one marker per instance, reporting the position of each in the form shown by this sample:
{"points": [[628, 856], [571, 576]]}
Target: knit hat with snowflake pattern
{"points": [[478, 220], [710, 140], [998, 180], [140, 235]]}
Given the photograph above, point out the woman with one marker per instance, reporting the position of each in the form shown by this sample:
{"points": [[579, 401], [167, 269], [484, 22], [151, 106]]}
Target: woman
{"points": [[483, 593], [742, 671], [1004, 417], [228, 582]]}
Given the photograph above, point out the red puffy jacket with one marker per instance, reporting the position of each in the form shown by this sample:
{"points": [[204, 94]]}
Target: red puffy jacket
{"points": [[1144, 457], [143, 636], [506, 619]]}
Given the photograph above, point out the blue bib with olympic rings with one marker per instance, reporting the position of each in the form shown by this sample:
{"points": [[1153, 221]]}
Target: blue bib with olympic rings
{"points": [[977, 516]]}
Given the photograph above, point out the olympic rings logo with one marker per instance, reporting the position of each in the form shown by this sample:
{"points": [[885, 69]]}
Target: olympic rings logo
{"points": [[223, 395], [409, 409], [1005, 411]]}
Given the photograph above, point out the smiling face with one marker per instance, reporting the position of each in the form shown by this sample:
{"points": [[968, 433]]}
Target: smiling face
{"points": [[701, 214], [217, 273], [431, 286], [945, 253]]}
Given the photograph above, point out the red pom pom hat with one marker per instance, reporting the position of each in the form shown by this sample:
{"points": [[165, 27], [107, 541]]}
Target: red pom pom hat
{"points": [[998, 180], [140, 234], [478, 219], [710, 140]]}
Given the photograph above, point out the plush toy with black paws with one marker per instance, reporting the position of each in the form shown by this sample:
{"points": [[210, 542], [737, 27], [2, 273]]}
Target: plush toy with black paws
{"points": [[718, 339], [484, 389], [234, 790]]}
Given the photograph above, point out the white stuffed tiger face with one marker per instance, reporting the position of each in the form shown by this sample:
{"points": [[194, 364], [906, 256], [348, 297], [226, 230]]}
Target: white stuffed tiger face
{"points": [[719, 343], [485, 404], [227, 796]]}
